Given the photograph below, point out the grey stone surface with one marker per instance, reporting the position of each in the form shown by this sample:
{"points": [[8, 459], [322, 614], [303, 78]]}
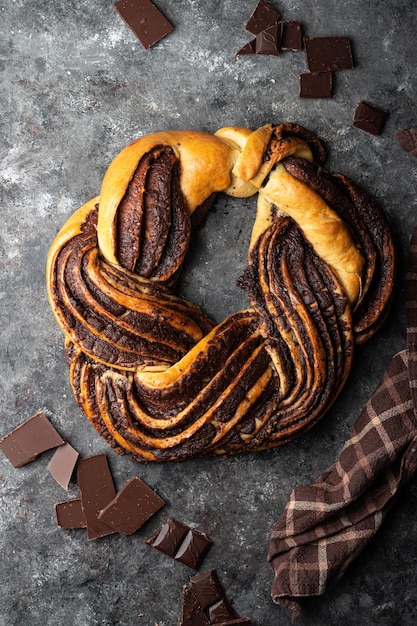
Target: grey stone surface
{"points": [[76, 86]]}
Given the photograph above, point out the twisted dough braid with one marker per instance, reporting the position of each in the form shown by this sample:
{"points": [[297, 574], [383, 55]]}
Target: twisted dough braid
{"points": [[157, 377]]}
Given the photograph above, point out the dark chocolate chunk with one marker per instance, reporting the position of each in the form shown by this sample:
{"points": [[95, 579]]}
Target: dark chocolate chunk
{"points": [[97, 490], [30, 439], [222, 611], [193, 548], [291, 36], [207, 588], [145, 20], [169, 537], [370, 118], [316, 85], [327, 54], [191, 613], [248, 48], [407, 140], [62, 464], [133, 505], [70, 514], [268, 42], [263, 16]]}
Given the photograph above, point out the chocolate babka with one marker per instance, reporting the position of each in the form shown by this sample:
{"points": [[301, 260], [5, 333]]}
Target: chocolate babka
{"points": [[150, 370]]}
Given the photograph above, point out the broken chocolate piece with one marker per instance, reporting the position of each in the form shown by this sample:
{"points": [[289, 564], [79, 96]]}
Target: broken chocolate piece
{"points": [[133, 505], [145, 20], [263, 16], [248, 48], [70, 514], [370, 118], [181, 543], [97, 490], [291, 36], [30, 439], [62, 464], [316, 85], [327, 54], [222, 611], [191, 613], [207, 588], [169, 537], [407, 140], [193, 548], [268, 42]]}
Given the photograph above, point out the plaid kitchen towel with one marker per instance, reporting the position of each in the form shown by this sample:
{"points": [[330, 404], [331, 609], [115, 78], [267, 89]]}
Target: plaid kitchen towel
{"points": [[326, 525]]}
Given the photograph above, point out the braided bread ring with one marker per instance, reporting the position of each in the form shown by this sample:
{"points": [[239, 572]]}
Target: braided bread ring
{"points": [[151, 371]]}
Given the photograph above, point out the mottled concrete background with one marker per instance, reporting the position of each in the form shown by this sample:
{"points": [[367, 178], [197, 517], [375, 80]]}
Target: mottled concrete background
{"points": [[76, 87]]}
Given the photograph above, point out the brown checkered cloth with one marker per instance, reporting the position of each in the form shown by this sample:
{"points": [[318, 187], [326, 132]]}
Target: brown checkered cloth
{"points": [[326, 525]]}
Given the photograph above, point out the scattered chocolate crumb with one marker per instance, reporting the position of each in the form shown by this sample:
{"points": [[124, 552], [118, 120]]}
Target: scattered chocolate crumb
{"points": [[370, 117]]}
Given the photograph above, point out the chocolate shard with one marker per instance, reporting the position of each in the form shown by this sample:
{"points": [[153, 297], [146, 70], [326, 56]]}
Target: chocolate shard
{"points": [[70, 514], [222, 611], [62, 464], [407, 140], [207, 588], [191, 613], [263, 16], [328, 54], [316, 85], [370, 117], [30, 439], [248, 48], [193, 548], [145, 20], [291, 36], [97, 490], [268, 42], [133, 505], [169, 537]]}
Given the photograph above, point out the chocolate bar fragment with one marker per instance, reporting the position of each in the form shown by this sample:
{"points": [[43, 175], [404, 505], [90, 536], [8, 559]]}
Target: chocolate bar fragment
{"points": [[407, 140], [328, 54], [180, 542], [30, 439], [145, 20], [370, 118], [70, 514], [133, 505], [193, 548], [263, 16], [248, 48], [268, 42], [62, 464], [97, 490], [291, 36], [207, 588], [191, 613], [316, 85], [222, 611]]}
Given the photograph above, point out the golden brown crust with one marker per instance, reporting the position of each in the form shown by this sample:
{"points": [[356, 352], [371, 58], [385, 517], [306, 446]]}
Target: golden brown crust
{"points": [[154, 375]]}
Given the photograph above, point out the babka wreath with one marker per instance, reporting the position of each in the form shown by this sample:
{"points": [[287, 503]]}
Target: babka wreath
{"points": [[151, 371]]}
